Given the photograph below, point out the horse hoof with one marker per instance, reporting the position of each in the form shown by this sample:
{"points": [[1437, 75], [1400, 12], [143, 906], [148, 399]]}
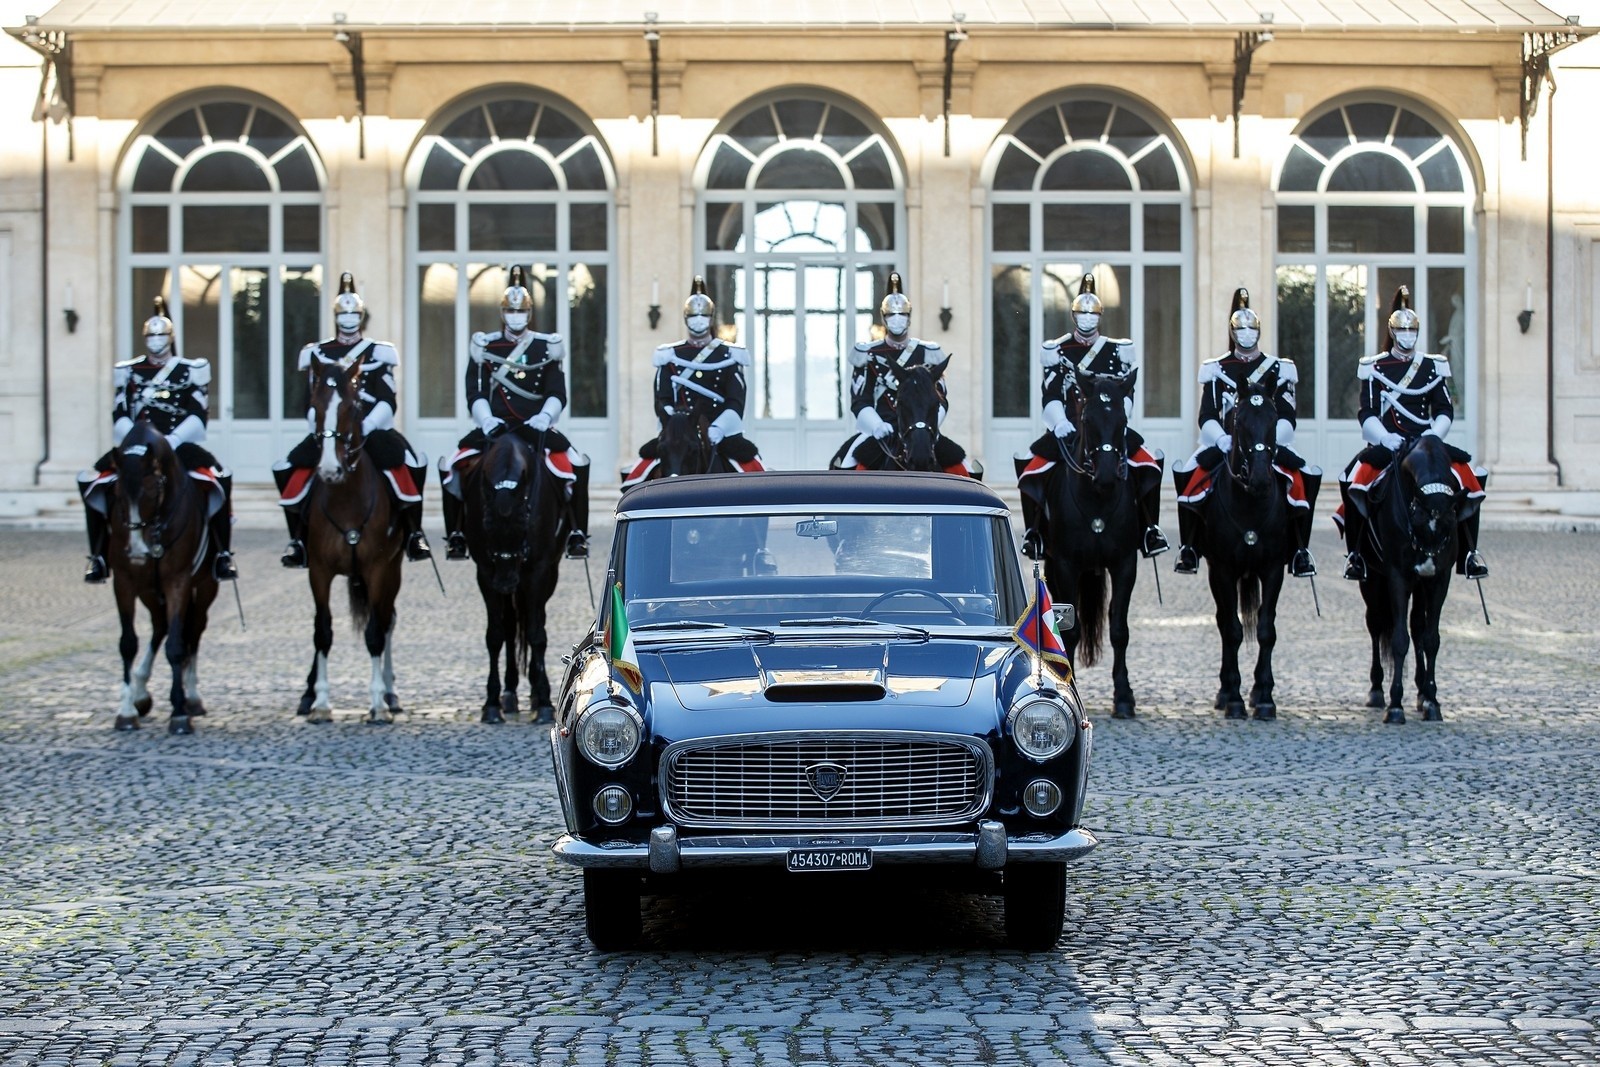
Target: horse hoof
{"points": [[1266, 712], [305, 706], [545, 716], [196, 708], [509, 705], [1375, 699], [319, 715], [1395, 715], [492, 715], [1429, 710], [393, 703], [1122, 709], [143, 705], [179, 725], [379, 717], [1222, 699], [1235, 710], [124, 725]]}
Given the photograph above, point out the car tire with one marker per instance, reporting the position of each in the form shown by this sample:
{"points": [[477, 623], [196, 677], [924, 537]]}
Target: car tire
{"points": [[1036, 905], [611, 915]]}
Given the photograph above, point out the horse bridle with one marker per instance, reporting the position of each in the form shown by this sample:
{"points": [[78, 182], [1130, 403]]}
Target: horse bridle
{"points": [[1235, 453], [1078, 461], [157, 526]]}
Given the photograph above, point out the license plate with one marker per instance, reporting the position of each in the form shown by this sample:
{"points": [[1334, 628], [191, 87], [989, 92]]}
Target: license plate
{"points": [[830, 859]]}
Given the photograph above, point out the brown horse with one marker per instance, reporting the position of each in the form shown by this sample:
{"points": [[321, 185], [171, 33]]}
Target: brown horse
{"points": [[160, 555], [352, 528]]}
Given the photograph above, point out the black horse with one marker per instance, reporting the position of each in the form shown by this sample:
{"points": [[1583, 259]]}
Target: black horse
{"points": [[684, 446], [1093, 530], [160, 556], [1411, 547], [516, 524], [1246, 539]]}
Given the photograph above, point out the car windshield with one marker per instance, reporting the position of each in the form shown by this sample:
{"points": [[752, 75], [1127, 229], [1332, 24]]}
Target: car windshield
{"points": [[938, 570]]}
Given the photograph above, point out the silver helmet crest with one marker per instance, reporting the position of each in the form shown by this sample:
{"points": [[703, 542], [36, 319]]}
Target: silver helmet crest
{"points": [[517, 297], [1087, 302], [895, 301], [158, 324], [699, 301], [1401, 315], [347, 301], [1243, 317]]}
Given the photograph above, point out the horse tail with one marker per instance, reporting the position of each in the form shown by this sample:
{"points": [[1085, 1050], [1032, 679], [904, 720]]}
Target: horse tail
{"points": [[1249, 600], [360, 602], [1091, 614], [522, 604]]}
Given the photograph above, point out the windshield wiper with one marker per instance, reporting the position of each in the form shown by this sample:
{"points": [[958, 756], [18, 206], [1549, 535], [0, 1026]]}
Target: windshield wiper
{"points": [[693, 624], [851, 620]]}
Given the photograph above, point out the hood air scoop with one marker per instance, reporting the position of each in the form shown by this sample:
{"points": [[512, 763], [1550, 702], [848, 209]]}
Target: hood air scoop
{"points": [[823, 685]]}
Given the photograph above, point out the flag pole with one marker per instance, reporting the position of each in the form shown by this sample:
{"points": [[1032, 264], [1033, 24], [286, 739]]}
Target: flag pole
{"points": [[609, 614], [1038, 624]]}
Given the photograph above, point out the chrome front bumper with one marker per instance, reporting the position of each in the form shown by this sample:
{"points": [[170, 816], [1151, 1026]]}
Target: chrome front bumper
{"points": [[987, 849]]}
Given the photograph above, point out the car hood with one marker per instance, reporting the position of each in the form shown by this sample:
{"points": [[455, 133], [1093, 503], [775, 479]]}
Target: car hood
{"points": [[703, 689]]}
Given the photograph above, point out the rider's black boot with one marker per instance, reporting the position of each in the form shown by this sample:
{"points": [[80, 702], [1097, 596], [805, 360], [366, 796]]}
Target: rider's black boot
{"points": [[1188, 561], [1032, 539], [1303, 564], [221, 530], [578, 539], [417, 547], [294, 554], [1355, 567], [1155, 542], [1471, 564], [455, 542], [96, 572]]}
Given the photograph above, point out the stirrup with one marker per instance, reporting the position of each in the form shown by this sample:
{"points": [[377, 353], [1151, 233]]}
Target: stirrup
{"points": [[294, 555], [96, 573], [1355, 568], [417, 547], [1304, 565], [1188, 561], [577, 545], [222, 567], [1155, 542], [1476, 569], [1033, 545], [455, 545]]}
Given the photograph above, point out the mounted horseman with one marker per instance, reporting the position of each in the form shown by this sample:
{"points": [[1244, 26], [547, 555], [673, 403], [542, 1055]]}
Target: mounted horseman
{"points": [[170, 392], [404, 469], [1221, 381], [1086, 352], [515, 383], [1405, 395], [878, 368], [700, 377]]}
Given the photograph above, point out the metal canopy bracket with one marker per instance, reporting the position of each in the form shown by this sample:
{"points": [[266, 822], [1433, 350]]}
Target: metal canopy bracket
{"points": [[1244, 47], [952, 41], [1537, 48], [55, 100], [653, 37], [351, 40]]}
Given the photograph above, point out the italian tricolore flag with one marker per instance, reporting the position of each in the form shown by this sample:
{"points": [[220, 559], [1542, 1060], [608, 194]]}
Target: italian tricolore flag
{"points": [[619, 643]]}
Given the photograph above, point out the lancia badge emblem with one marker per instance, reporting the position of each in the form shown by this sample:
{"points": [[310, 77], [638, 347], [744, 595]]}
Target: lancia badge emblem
{"points": [[825, 779], [1097, 525], [1251, 537]]}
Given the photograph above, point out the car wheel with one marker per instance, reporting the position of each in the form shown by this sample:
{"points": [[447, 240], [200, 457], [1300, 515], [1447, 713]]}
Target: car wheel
{"points": [[611, 908], [1036, 904]]}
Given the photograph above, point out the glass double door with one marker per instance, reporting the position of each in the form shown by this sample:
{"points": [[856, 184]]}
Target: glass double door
{"points": [[799, 316]]}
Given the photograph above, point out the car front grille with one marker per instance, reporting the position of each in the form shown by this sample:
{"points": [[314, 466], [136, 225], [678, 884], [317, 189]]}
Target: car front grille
{"points": [[784, 781]]}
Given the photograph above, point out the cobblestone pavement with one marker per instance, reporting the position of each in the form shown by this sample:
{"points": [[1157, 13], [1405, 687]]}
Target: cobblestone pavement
{"points": [[1324, 889]]}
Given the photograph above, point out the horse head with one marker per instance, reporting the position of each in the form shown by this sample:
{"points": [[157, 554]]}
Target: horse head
{"points": [[336, 416], [1428, 496], [1253, 425], [1103, 426], [684, 444], [509, 485], [917, 418], [148, 480]]}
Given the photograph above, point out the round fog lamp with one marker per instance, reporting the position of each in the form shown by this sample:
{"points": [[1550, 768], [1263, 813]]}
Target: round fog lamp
{"points": [[608, 736], [1041, 730], [613, 804], [1041, 797]]}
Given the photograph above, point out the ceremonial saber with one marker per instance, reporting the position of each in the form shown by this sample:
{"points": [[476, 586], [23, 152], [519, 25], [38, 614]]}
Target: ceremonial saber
{"points": [[436, 576], [1154, 569], [590, 578], [239, 603], [1483, 602], [1315, 599]]}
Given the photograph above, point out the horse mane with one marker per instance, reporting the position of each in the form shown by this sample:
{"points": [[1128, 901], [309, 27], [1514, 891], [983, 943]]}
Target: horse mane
{"points": [[144, 441]]}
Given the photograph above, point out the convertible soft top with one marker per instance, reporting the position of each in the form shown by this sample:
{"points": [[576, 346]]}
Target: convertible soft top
{"points": [[896, 489]]}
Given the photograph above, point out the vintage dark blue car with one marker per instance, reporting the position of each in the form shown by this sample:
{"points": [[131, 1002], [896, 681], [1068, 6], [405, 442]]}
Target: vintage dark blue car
{"points": [[826, 681]]}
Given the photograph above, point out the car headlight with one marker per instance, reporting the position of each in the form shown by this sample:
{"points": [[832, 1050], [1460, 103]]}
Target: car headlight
{"points": [[1041, 797], [1041, 729], [609, 735]]}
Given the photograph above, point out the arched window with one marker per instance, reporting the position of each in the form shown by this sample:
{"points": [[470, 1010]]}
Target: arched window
{"points": [[800, 211], [223, 216], [512, 179], [1086, 184], [1371, 196]]}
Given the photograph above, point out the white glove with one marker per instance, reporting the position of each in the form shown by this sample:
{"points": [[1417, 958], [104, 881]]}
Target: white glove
{"points": [[480, 339], [882, 430], [173, 441], [1440, 427], [1392, 441], [540, 421], [714, 432], [1225, 442], [491, 424], [1064, 427]]}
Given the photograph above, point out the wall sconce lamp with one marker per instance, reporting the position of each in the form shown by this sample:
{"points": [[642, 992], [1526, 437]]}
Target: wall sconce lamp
{"points": [[945, 314], [1525, 316], [69, 311], [654, 313]]}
